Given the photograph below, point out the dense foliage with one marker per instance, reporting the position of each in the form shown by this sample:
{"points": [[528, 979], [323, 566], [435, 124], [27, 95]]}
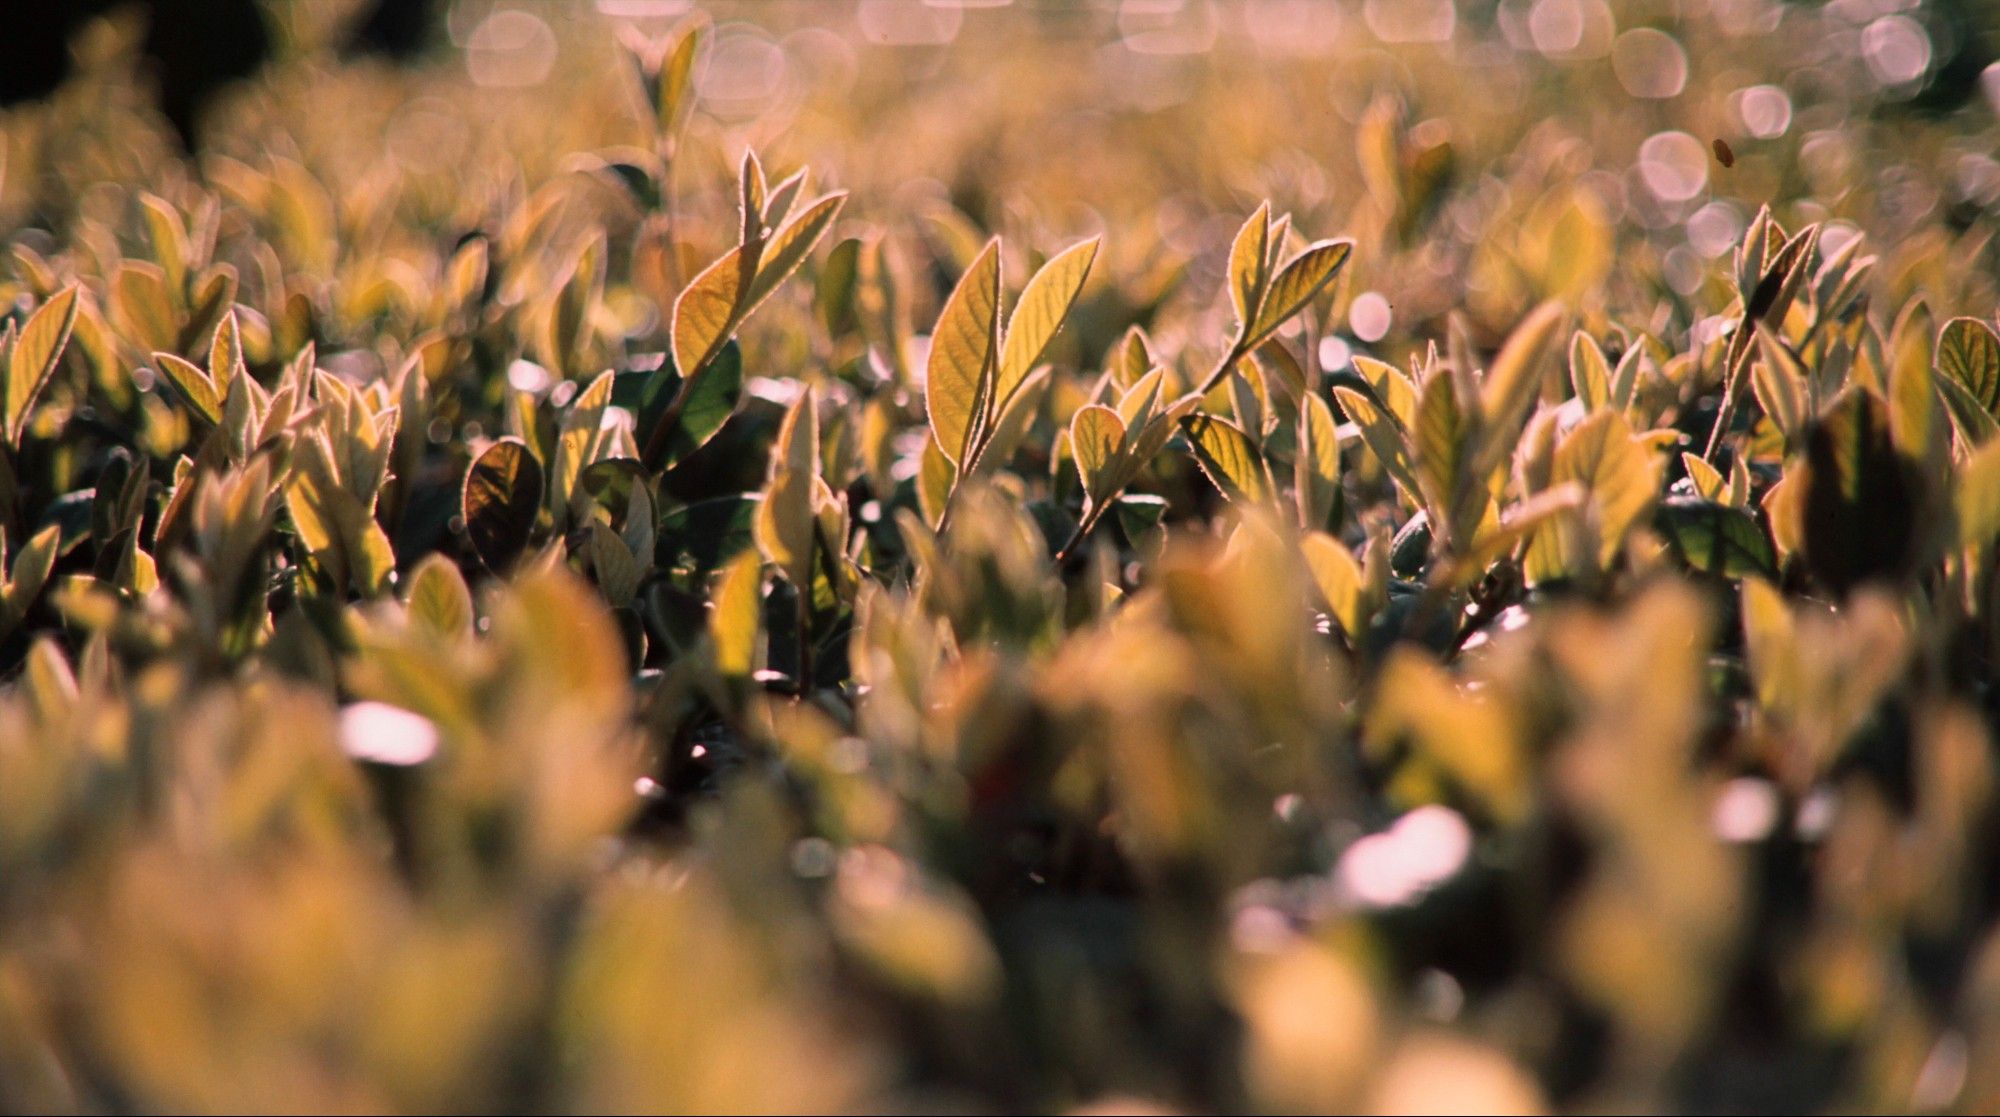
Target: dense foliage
{"points": [[1285, 557]]}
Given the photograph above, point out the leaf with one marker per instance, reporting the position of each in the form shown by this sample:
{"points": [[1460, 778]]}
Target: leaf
{"points": [[438, 598], [193, 385], [1589, 372], [503, 492], [1968, 352], [1707, 480], [1779, 381], [706, 312], [671, 103], [1975, 425], [1095, 435], [935, 477], [1337, 575], [1601, 455], [1384, 437], [1861, 496], [1444, 441], [225, 353], [1296, 284], [1316, 469], [783, 526], [1976, 497], [1249, 261], [1228, 457], [28, 574], [1513, 382], [37, 351], [789, 247], [958, 383], [1715, 538], [733, 618], [582, 433], [1044, 304]]}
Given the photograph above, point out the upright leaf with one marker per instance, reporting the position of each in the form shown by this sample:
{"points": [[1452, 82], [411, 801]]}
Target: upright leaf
{"points": [[503, 491], [1043, 306], [36, 352], [958, 384]]}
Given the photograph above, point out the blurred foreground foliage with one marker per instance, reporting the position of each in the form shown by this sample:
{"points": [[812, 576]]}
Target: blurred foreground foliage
{"points": [[512, 603]]}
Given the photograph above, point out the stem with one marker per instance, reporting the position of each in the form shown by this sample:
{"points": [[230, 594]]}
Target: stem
{"points": [[803, 683]]}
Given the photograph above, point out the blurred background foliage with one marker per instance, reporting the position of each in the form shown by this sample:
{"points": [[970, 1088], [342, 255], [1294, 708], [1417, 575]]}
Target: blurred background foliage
{"points": [[1533, 652]]}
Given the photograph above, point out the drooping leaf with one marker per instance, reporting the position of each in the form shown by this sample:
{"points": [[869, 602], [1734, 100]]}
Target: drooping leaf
{"points": [[1384, 436]]}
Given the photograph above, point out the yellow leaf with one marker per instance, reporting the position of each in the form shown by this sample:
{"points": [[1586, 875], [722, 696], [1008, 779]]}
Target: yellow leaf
{"points": [[1249, 259], [1602, 456], [733, 618], [1316, 471], [1095, 434], [1338, 577], [958, 383], [1296, 284], [36, 352], [1044, 304], [706, 312], [1229, 458]]}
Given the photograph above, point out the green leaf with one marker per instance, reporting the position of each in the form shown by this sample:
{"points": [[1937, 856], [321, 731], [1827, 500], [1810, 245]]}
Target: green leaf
{"points": [[1228, 457], [1715, 538], [1296, 284], [582, 434], [1968, 352], [503, 491], [935, 478], [1444, 440], [1044, 304], [958, 384]]}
